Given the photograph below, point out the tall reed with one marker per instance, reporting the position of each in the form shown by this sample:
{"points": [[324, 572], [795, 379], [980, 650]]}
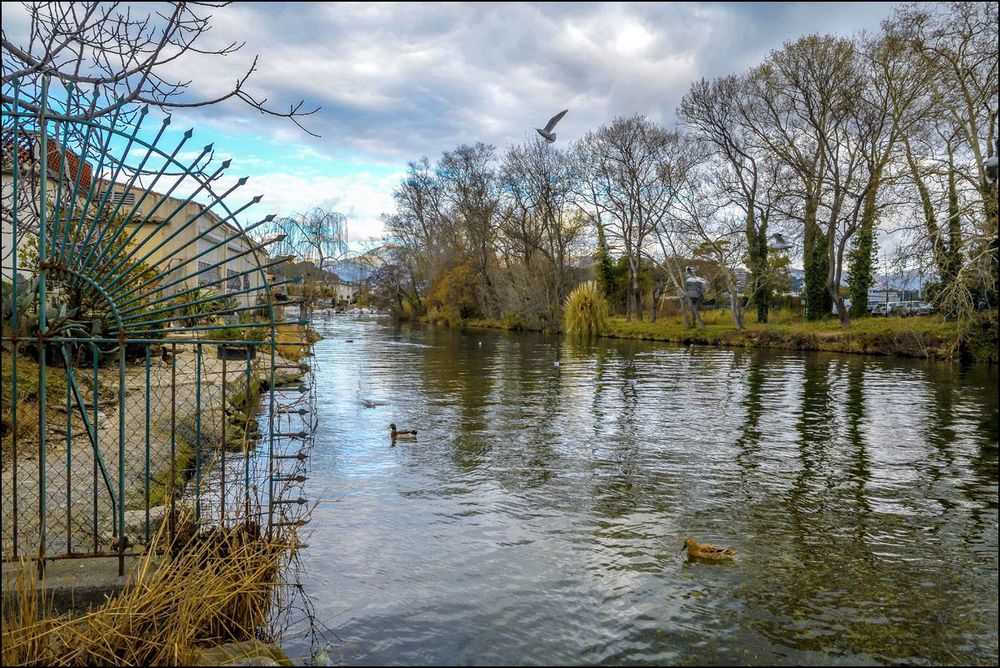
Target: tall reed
{"points": [[586, 311], [211, 587]]}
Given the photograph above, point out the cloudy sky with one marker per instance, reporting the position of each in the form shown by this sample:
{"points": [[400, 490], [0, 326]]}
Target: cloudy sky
{"points": [[399, 81]]}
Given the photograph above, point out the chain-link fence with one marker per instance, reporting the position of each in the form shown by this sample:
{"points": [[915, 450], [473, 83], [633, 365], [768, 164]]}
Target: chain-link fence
{"points": [[115, 463]]}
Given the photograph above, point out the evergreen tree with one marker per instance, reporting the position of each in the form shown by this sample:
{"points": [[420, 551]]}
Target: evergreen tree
{"points": [[604, 267], [861, 261]]}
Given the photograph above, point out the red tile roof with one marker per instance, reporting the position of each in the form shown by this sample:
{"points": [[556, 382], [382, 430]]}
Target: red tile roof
{"points": [[25, 151]]}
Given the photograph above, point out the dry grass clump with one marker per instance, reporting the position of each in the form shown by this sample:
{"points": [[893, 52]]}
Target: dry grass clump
{"points": [[210, 587]]}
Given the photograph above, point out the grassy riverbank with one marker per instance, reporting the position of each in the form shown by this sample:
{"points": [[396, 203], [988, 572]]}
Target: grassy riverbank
{"points": [[924, 336]]}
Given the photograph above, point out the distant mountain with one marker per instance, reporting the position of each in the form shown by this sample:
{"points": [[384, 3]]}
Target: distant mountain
{"points": [[908, 279], [798, 280]]}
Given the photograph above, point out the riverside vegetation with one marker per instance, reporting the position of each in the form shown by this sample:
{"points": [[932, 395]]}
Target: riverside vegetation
{"points": [[832, 143]]}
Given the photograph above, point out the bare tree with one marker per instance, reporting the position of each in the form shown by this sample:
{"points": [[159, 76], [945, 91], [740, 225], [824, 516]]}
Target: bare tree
{"points": [[622, 187], [540, 224], [807, 94], [420, 228], [472, 191], [390, 277], [700, 224], [719, 112], [955, 125], [118, 53]]}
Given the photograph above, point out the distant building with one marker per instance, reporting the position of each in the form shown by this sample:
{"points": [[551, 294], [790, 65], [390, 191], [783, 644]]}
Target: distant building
{"points": [[28, 152], [190, 241], [343, 291], [883, 295]]}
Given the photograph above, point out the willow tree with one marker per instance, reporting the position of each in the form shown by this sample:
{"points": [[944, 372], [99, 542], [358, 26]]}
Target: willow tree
{"points": [[319, 236]]}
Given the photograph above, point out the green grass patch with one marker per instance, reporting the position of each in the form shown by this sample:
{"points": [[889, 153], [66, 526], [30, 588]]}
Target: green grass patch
{"points": [[161, 484], [930, 336], [921, 336]]}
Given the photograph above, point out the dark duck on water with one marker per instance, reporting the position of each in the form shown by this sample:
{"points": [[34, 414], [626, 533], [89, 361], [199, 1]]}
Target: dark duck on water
{"points": [[405, 434]]}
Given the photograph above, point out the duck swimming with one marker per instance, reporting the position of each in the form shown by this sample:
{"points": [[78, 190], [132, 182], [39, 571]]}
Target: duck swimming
{"points": [[707, 551], [406, 434]]}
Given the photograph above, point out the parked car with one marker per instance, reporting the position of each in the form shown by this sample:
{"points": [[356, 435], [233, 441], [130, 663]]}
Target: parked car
{"points": [[878, 308], [894, 308], [917, 308]]}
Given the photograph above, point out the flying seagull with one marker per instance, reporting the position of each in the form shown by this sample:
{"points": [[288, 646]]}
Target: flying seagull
{"points": [[547, 131]]}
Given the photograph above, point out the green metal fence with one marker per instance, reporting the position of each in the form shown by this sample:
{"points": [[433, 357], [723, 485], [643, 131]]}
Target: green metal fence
{"points": [[140, 353]]}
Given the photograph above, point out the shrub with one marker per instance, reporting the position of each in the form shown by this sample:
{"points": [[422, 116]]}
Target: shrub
{"points": [[586, 311], [452, 296], [511, 320]]}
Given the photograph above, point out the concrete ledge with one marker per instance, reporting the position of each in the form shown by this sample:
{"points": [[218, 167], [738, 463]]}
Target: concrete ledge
{"points": [[72, 585]]}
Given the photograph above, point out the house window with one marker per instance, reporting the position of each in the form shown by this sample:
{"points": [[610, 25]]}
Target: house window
{"points": [[210, 277], [233, 284]]}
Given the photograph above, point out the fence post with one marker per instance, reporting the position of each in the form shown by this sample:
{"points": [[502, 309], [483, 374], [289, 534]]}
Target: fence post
{"points": [[42, 272], [225, 419]]}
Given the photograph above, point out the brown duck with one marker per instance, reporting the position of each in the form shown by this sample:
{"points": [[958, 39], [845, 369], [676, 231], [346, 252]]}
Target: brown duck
{"points": [[707, 551], [405, 434]]}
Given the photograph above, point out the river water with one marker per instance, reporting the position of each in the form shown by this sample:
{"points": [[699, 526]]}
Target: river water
{"points": [[539, 516]]}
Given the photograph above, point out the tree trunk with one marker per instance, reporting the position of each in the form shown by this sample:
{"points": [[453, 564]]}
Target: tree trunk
{"points": [[845, 317], [930, 221], [734, 301], [632, 300], [654, 308], [757, 259], [954, 252]]}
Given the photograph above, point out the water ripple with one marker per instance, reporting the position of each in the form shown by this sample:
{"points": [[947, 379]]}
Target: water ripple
{"points": [[539, 515]]}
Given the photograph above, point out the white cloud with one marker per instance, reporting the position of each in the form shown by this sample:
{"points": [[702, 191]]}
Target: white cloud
{"points": [[399, 81], [362, 196]]}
